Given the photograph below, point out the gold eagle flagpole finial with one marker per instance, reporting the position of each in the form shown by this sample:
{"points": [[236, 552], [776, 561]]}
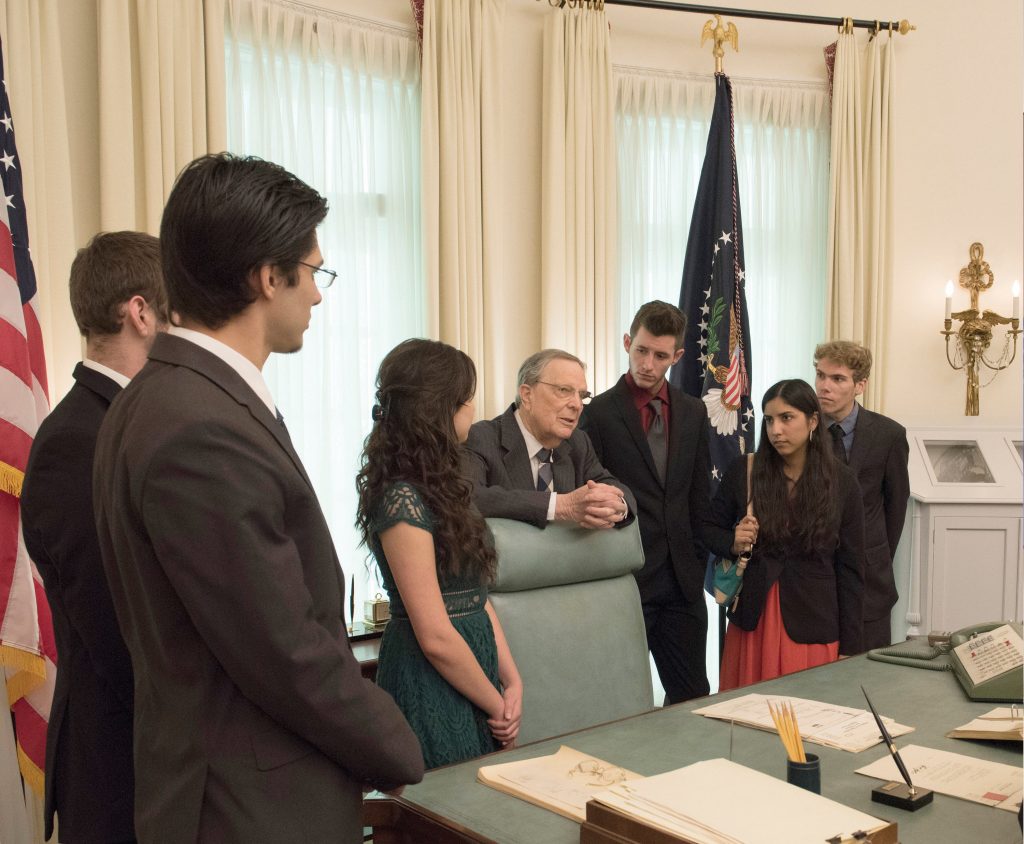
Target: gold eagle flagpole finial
{"points": [[721, 33]]}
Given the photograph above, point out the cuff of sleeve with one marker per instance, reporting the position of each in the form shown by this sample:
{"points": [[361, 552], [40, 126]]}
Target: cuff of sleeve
{"points": [[551, 507]]}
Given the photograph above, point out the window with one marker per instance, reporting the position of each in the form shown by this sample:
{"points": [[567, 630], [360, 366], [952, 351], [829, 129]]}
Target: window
{"points": [[335, 100]]}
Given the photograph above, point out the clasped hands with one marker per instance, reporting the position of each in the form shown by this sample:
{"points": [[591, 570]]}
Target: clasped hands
{"points": [[596, 506], [745, 535], [505, 724]]}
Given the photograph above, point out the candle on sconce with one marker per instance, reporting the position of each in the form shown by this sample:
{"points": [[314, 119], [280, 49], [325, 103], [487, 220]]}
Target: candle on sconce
{"points": [[1016, 299], [949, 298]]}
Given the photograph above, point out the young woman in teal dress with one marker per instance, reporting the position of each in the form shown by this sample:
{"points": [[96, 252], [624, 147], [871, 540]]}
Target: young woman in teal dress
{"points": [[443, 656]]}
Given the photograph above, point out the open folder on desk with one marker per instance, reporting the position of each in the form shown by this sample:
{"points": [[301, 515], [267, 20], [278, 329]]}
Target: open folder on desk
{"points": [[1004, 723], [721, 802], [828, 724]]}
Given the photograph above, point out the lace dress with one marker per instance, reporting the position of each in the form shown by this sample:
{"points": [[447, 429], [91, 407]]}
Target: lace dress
{"points": [[449, 726]]}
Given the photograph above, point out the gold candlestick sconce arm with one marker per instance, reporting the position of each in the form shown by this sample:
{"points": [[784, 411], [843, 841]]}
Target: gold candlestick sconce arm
{"points": [[974, 336]]}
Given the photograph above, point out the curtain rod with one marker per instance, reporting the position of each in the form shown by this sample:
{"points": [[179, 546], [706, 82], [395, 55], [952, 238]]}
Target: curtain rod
{"points": [[902, 26]]}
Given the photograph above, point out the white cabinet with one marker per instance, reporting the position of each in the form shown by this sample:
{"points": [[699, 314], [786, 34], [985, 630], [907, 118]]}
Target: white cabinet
{"points": [[960, 560]]}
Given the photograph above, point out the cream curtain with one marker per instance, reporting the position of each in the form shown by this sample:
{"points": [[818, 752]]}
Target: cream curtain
{"points": [[461, 131], [578, 205], [161, 83], [860, 221]]}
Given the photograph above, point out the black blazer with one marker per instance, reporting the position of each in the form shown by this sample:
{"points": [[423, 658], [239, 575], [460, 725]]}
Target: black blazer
{"points": [[252, 720], [672, 514], [495, 461], [89, 781], [822, 593], [879, 459]]}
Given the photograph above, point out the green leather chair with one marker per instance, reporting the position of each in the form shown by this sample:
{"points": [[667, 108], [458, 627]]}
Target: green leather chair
{"points": [[570, 608]]}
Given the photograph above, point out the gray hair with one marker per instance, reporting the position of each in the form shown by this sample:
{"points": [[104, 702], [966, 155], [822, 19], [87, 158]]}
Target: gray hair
{"points": [[529, 372]]}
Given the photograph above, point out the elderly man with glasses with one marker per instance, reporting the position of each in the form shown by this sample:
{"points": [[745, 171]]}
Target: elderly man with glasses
{"points": [[532, 464]]}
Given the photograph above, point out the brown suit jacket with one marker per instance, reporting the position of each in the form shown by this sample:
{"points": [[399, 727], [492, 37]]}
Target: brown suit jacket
{"points": [[252, 721]]}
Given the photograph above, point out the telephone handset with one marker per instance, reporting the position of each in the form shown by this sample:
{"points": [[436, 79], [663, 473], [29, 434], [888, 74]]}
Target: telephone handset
{"points": [[937, 654]]}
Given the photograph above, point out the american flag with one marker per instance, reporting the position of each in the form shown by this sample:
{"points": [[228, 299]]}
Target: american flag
{"points": [[27, 652]]}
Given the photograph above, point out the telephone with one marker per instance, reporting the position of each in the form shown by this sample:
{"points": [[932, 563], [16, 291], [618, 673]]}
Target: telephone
{"points": [[938, 653]]}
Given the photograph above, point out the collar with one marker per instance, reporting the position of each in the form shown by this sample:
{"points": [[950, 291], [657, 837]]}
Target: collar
{"points": [[850, 422], [533, 445], [641, 396], [117, 377], [245, 368]]}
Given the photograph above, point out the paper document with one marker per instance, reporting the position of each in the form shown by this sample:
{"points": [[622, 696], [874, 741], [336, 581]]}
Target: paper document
{"points": [[1004, 723], [990, 783], [991, 654], [720, 802], [562, 782], [829, 724]]}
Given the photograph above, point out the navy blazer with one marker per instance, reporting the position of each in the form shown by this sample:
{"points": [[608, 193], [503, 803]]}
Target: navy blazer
{"points": [[252, 720], [89, 781], [878, 458], [672, 514], [495, 461], [821, 593]]}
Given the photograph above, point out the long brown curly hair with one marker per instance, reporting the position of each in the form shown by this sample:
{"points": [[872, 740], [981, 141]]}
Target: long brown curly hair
{"points": [[809, 518], [420, 386]]}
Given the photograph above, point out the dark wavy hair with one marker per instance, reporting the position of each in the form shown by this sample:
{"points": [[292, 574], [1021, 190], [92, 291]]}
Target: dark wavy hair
{"points": [[807, 519], [420, 386]]}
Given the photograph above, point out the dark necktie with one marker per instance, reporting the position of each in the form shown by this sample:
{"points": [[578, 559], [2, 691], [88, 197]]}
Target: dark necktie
{"points": [[836, 430], [544, 474], [656, 439]]}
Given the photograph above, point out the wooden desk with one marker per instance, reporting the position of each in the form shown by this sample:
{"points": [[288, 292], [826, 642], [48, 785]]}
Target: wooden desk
{"points": [[450, 806], [365, 641]]}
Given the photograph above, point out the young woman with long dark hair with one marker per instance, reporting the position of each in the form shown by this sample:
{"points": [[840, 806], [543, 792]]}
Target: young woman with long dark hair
{"points": [[801, 602], [443, 656]]}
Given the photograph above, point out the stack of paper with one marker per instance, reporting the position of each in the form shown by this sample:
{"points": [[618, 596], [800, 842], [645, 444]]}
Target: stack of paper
{"points": [[989, 783], [828, 724], [1004, 723], [562, 782], [720, 802]]}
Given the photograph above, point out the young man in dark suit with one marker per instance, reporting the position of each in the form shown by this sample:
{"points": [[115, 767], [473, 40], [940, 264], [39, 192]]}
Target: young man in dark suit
{"points": [[252, 720], [119, 303], [876, 448], [533, 465], [654, 438]]}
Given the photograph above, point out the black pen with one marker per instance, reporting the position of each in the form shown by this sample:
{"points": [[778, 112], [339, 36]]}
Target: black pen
{"points": [[892, 747]]}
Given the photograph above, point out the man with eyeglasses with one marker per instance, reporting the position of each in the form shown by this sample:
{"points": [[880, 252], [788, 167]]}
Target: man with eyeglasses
{"points": [[655, 438], [252, 719], [533, 465]]}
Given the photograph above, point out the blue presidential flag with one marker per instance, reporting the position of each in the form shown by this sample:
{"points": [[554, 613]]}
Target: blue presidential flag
{"points": [[716, 365]]}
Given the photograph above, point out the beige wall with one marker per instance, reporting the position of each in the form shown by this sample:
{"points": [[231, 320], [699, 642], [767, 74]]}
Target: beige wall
{"points": [[959, 175]]}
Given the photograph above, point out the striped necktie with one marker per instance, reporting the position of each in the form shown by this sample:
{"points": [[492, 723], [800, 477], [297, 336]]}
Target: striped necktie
{"points": [[544, 474]]}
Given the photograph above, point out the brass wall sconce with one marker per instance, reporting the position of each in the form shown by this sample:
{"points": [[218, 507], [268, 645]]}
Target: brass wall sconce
{"points": [[975, 333]]}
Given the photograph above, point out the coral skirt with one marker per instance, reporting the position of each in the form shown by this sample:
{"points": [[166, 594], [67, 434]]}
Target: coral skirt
{"points": [[767, 651]]}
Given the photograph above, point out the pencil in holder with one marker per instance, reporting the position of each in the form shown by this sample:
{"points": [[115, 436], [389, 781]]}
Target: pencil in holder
{"points": [[805, 774]]}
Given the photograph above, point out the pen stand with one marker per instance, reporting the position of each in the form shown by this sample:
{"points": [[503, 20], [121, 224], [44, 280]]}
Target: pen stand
{"points": [[805, 774], [898, 794]]}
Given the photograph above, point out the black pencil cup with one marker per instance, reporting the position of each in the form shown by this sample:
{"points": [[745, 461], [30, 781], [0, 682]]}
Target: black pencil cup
{"points": [[805, 774]]}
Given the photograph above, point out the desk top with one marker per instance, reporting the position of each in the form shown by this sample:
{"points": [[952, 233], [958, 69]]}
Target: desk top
{"points": [[930, 701]]}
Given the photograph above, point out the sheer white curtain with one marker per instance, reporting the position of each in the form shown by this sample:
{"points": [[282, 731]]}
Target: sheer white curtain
{"points": [[782, 150], [336, 100]]}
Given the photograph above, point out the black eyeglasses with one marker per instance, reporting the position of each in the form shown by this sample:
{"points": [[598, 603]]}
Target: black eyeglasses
{"points": [[565, 392], [322, 277]]}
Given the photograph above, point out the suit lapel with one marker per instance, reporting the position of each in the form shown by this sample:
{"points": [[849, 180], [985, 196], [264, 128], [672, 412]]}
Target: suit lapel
{"points": [[861, 440], [515, 458], [180, 352], [631, 418]]}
